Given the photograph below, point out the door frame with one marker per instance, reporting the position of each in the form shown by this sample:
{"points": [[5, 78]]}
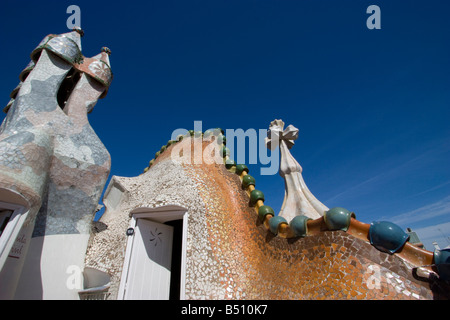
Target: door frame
{"points": [[160, 214], [12, 229]]}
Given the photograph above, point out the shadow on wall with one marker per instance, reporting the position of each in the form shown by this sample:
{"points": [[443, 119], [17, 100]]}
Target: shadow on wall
{"points": [[30, 283]]}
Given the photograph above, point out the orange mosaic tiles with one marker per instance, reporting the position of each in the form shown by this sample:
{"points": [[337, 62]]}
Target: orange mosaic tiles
{"points": [[253, 263], [241, 259]]}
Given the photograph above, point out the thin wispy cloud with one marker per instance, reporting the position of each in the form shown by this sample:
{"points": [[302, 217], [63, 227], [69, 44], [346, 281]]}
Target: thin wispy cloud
{"points": [[397, 169], [439, 233], [430, 189], [430, 211], [357, 188]]}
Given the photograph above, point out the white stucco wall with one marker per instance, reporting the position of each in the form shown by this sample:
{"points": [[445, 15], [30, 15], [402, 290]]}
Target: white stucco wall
{"points": [[61, 261]]}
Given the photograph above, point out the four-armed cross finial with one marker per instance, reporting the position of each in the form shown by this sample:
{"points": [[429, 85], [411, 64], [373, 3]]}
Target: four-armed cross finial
{"points": [[298, 200]]}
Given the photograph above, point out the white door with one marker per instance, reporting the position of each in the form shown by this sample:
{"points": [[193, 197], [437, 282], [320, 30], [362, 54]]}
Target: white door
{"points": [[151, 255]]}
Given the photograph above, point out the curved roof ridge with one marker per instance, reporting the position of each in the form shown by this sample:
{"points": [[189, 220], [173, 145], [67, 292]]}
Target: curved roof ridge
{"points": [[416, 256]]}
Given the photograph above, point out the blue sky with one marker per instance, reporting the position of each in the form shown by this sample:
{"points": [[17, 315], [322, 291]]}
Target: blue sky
{"points": [[372, 106]]}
